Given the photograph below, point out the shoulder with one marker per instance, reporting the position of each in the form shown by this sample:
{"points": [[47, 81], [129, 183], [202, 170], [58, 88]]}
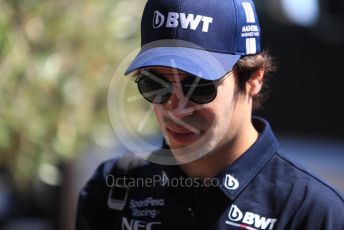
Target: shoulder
{"points": [[306, 197], [295, 173], [96, 207], [128, 165]]}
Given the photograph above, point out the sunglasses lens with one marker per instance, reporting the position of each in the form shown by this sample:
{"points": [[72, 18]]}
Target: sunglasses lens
{"points": [[156, 91], [201, 91]]}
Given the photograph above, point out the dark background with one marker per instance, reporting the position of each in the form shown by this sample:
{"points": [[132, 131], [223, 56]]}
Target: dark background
{"points": [[306, 92]]}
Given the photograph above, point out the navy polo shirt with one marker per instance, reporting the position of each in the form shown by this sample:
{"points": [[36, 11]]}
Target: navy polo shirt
{"points": [[263, 189]]}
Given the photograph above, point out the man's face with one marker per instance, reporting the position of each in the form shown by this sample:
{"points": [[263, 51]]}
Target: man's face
{"points": [[197, 128]]}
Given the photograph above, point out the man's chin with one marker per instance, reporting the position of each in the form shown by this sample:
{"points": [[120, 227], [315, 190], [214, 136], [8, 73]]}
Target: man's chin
{"points": [[191, 152]]}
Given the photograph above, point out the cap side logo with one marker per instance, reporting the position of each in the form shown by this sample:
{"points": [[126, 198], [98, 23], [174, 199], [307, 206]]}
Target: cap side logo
{"points": [[158, 19], [251, 43], [251, 46], [249, 12], [230, 182]]}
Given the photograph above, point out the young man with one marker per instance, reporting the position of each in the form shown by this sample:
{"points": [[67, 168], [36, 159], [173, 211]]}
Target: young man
{"points": [[202, 67]]}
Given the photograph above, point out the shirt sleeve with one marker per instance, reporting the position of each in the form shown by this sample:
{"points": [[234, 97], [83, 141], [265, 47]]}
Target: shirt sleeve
{"points": [[322, 210], [326, 213], [92, 210]]}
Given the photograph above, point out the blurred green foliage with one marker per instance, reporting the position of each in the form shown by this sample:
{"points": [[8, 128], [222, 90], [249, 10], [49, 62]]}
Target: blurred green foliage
{"points": [[56, 61]]}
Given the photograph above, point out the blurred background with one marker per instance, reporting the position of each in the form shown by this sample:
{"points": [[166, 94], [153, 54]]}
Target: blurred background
{"points": [[57, 59]]}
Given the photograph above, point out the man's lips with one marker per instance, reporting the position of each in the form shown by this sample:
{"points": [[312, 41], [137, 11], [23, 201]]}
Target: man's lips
{"points": [[182, 135], [180, 130], [186, 130]]}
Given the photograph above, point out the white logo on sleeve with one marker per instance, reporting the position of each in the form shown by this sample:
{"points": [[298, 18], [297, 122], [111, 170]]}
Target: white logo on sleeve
{"points": [[189, 21], [249, 220], [164, 179], [230, 182]]}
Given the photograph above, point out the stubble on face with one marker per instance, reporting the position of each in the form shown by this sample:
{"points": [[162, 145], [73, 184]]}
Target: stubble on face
{"points": [[212, 121]]}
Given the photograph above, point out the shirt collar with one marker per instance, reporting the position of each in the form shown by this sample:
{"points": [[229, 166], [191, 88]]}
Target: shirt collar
{"points": [[238, 175]]}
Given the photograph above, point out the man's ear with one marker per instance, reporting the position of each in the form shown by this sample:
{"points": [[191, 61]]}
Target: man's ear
{"points": [[255, 83]]}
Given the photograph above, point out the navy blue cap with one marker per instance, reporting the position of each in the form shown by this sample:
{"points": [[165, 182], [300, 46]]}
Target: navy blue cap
{"points": [[201, 37]]}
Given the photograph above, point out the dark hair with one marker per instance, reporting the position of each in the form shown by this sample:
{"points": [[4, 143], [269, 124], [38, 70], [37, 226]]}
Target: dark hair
{"points": [[244, 69]]}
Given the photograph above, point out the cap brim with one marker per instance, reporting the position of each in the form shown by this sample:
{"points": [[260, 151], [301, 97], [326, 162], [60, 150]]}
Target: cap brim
{"points": [[202, 63]]}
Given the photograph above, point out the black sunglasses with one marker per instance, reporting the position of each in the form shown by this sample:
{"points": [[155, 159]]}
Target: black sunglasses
{"points": [[156, 89]]}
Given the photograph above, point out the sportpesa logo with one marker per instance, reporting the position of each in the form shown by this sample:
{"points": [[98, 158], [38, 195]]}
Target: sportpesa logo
{"points": [[175, 19], [249, 220]]}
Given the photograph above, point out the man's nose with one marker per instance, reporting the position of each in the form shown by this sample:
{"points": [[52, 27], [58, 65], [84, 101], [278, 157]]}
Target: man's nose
{"points": [[178, 105]]}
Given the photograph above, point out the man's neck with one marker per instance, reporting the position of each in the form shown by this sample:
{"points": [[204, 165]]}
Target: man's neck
{"points": [[217, 161]]}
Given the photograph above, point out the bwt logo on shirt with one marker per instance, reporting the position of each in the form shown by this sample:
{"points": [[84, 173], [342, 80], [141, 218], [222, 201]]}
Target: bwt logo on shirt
{"points": [[249, 220], [175, 19]]}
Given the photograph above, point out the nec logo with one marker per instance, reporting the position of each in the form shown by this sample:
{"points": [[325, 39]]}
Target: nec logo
{"points": [[175, 19], [249, 220], [137, 224]]}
